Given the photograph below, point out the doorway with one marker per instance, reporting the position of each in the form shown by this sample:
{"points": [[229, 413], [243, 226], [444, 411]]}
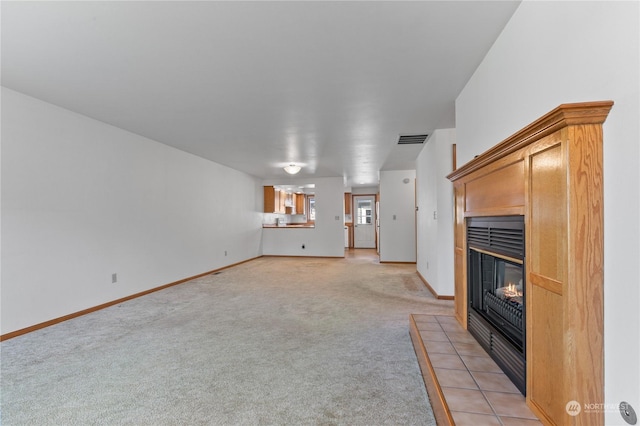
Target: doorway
{"points": [[364, 232]]}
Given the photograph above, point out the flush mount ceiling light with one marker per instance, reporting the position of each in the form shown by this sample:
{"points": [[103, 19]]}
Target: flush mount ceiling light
{"points": [[292, 169]]}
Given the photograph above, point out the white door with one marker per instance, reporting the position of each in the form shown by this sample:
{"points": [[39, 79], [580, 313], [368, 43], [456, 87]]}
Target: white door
{"points": [[364, 229], [378, 225]]}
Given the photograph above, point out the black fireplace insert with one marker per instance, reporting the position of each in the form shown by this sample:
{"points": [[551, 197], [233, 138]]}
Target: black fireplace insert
{"points": [[496, 291]]}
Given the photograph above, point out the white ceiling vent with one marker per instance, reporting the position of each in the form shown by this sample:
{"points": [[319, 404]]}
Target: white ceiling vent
{"points": [[411, 139]]}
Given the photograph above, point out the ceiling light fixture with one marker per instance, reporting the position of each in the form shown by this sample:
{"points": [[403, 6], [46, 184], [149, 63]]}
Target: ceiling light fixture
{"points": [[292, 169]]}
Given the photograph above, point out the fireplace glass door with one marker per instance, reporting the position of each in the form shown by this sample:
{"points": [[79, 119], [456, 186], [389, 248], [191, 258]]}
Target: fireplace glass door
{"points": [[496, 291], [498, 294]]}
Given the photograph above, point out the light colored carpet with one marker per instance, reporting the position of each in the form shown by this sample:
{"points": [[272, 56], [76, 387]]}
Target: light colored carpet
{"points": [[274, 341]]}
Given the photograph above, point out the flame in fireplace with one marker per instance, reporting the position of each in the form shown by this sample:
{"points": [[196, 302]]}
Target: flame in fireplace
{"points": [[510, 291]]}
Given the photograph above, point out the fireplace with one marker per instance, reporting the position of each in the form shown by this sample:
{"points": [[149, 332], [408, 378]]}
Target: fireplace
{"points": [[496, 291], [550, 173]]}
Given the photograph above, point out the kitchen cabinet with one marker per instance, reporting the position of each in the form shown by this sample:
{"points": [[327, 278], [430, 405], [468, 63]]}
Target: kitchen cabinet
{"points": [[273, 200], [281, 202], [300, 204], [269, 199], [347, 203]]}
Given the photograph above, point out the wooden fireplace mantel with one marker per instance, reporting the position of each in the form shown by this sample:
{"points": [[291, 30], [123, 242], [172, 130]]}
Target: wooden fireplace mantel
{"points": [[550, 172]]}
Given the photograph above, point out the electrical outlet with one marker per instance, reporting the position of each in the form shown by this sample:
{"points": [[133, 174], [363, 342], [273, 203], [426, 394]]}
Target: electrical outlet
{"points": [[225, 252], [114, 278]]}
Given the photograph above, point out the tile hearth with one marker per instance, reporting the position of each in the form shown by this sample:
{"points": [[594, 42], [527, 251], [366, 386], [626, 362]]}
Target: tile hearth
{"points": [[464, 384]]}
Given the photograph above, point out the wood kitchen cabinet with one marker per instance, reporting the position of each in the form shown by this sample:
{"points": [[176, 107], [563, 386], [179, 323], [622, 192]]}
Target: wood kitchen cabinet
{"points": [[283, 200], [347, 203], [269, 199], [273, 200], [300, 204], [277, 201]]}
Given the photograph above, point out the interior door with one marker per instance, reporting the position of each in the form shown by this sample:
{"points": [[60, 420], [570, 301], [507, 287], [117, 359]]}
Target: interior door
{"points": [[364, 232]]}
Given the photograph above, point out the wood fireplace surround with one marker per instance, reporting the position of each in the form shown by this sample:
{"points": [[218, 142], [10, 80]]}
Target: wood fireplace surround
{"points": [[550, 172]]}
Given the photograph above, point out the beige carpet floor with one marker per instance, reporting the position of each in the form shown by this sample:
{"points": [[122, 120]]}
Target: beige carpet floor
{"points": [[274, 341]]}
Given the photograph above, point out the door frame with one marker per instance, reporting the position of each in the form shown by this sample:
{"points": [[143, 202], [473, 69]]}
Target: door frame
{"points": [[374, 217]]}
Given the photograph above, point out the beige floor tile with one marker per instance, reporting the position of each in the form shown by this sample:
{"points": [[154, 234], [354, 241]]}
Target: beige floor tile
{"points": [[446, 361], [518, 421], [444, 319], [424, 318], [462, 337], [435, 347], [429, 326], [438, 336], [471, 349], [480, 363], [473, 419], [509, 404], [466, 400], [498, 382], [455, 378], [453, 327], [476, 390]]}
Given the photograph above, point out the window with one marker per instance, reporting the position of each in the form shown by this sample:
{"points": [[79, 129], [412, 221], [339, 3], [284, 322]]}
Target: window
{"points": [[364, 212], [312, 208]]}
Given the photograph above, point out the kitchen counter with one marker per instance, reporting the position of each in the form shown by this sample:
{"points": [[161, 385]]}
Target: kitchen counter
{"points": [[289, 225]]}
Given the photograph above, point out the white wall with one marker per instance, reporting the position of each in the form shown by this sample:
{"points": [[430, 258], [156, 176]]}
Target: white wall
{"points": [[326, 239], [397, 216], [435, 195], [82, 200], [364, 190], [560, 52]]}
